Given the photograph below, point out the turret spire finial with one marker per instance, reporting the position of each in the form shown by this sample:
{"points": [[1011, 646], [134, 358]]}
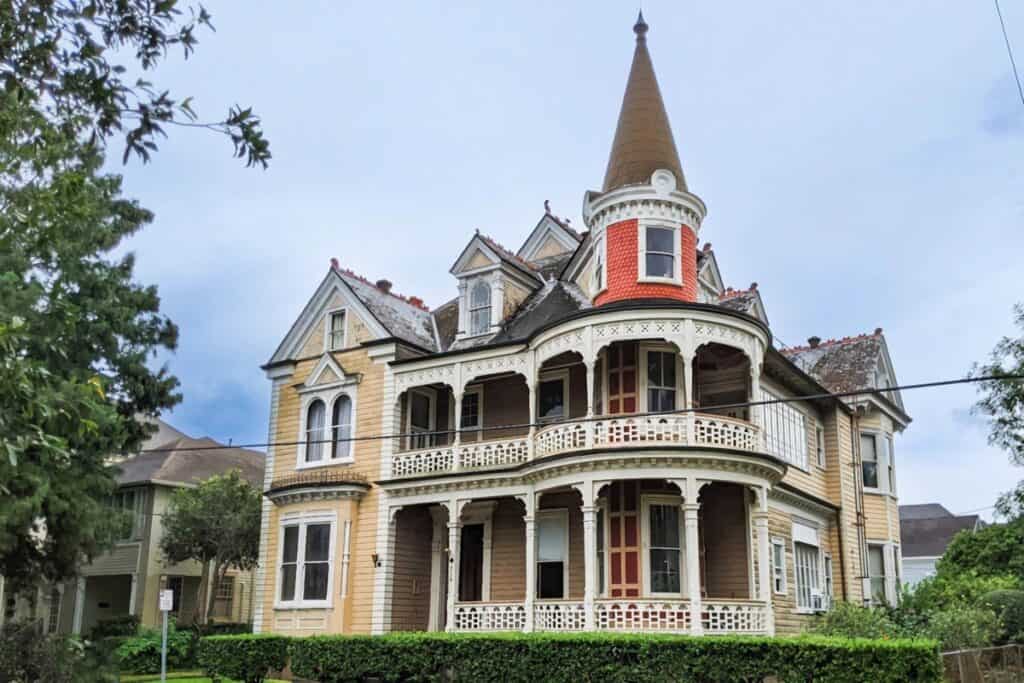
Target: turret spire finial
{"points": [[640, 27]]}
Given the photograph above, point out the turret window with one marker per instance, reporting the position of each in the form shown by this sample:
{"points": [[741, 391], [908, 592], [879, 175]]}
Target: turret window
{"points": [[480, 308], [659, 253]]}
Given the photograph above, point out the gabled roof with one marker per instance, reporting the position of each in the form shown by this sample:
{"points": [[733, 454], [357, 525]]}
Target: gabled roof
{"points": [[923, 511], [405, 318], [495, 251], [555, 300], [549, 227], [929, 537], [643, 140], [184, 460], [745, 301]]}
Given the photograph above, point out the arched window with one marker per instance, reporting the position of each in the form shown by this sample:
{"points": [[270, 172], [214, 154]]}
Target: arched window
{"points": [[316, 416], [341, 420], [479, 308]]}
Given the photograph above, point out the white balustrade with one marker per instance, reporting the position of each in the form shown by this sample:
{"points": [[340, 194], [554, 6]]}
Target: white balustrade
{"points": [[720, 617], [727, 432], [559, 615], [423, 461], [661, 616], [560, 438], [494, 453], [490, 616]]}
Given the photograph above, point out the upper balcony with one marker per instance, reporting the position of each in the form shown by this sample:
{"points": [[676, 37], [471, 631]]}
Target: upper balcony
{"points": [[609, 381]]}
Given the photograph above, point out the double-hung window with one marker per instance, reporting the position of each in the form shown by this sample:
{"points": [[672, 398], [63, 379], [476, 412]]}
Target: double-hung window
{"points": [[327, 432], [819, 440], [661, 381], [869, 460], [664, 548], [552, 553], [471, 420], [341, 418], [316, 431], [778, 566], [785, 431], [553, 397], [808, 587], [829, 587], [306, 562], [660, 253], [876, 573], [421, 418], [890, 463], [479, 308], [336, 331]]}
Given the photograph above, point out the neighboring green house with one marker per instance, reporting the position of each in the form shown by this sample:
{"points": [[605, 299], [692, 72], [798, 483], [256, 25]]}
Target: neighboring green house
{"points": [[127, 579]]}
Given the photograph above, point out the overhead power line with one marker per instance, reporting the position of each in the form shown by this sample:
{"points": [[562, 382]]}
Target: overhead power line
{"points": [[1009, 51], [599, 418]]}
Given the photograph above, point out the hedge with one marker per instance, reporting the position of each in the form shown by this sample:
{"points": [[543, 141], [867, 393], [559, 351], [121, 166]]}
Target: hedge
{"points": [[248, 658], [591, 657]]}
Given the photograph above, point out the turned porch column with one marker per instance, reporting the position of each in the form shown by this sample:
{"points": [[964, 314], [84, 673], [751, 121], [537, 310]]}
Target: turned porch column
{"points": [[454, 557], [691, 509], [529, 522], [589, 564]]}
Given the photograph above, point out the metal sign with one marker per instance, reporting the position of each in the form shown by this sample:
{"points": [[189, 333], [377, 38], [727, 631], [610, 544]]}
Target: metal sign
{"points": [[166, 600]]}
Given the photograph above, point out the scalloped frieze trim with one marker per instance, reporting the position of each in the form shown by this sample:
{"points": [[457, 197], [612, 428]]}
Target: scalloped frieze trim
{"points": [[308, 494]]}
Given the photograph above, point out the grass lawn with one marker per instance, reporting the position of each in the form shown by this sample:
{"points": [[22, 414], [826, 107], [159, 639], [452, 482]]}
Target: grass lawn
{"points": [[177, 677]]}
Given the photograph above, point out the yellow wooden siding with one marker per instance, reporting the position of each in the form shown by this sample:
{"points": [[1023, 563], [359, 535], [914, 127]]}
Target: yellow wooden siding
{"points": [[787, 620]]}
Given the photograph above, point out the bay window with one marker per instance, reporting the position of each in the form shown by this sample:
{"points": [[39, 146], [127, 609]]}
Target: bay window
{"points": [[306, 562]]}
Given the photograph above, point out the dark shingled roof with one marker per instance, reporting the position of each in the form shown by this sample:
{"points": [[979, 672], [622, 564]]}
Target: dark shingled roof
{"points": [[551, 267], [554, 301], [184, 460], [446, 317], [923, 511], [929, 537], [399, 317], [846, 364]]}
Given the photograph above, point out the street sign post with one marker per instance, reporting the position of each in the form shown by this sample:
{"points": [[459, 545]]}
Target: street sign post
{"points": [[166, 605]]}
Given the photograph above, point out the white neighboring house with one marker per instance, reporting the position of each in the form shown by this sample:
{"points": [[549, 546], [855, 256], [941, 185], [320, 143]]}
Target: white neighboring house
{"points": [[925, 532], [127, 579]]}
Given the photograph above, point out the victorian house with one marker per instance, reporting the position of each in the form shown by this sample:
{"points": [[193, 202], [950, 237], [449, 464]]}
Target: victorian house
{"points": [[595, 433]]}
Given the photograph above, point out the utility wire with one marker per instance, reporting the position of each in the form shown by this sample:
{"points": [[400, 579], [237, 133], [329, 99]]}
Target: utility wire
{"points": [[1009, 51], [599, 418]]}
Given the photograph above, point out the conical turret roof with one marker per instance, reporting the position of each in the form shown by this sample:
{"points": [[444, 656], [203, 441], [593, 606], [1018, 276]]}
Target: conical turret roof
{"points": [[643, 137]]}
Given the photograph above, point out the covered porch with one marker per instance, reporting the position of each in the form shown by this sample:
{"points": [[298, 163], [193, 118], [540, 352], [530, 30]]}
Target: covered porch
{"points": [[629, 555]]}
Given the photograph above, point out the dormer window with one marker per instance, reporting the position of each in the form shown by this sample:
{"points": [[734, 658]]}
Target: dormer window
{"points": [[480, 308], [659, 253], [336, 331]]}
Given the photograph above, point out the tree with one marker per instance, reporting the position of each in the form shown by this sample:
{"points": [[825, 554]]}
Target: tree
{"points": [[69, 61], [1003, 403], [996, 550], [217, 524], [77, 334]]}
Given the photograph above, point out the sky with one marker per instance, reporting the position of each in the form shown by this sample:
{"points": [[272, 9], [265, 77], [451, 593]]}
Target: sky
{"points": [[861, 161]]}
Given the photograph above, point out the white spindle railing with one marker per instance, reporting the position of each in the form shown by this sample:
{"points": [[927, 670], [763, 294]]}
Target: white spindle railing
{"points": [[723, 616], [494, 453], [490, 616], [559, 615], [622, 431], [661, 616]]}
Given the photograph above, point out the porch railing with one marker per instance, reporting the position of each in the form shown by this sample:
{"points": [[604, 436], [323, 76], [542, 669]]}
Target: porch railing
{"points": [[620, 431], [718, 617]]}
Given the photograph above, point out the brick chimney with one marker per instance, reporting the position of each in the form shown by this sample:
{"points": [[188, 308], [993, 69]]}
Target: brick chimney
{"points": [[384, 286], [813, 342]]}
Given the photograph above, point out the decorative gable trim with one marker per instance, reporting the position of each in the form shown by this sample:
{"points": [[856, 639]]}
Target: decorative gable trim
{"points": [[547, 227], [476, 245], [709, 273], [337, 377], [316, 308]]}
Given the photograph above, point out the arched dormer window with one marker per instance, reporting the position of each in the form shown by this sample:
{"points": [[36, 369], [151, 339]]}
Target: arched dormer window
{"points": [[341, 420], [480, 308], [316, 416]]}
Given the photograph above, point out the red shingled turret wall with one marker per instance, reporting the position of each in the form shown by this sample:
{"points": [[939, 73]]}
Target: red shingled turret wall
{"points": [[623, 278]]}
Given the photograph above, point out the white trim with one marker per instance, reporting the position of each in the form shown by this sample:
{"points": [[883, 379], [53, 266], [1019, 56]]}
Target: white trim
{"points": [[302, 520], [554, 376], [643, 382], [881, 460], [667, 500], [600, 246], [475, 431], [329, 394], [547, 225], [821, 456], [780, 543], [481, 513], [641, 251], [328, 317], [563, 515]]}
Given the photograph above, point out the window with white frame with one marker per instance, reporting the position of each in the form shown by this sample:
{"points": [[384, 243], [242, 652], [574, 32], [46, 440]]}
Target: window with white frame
{"points": [[597, 281], [306, 562], [829, 587], [341, 425], [661, 381], [876, 573], [130, 504], [316, 430], [785, 431], [663, 538], [336, 331], [808, 587], [869, 460], [420, 418], [553, 396], [779, 566], [660, 253], [552, 553], [890, 462], [819, 441], [479, 308], [471, 421]]}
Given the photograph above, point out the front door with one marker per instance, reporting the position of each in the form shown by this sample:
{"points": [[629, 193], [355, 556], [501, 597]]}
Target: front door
{"points": [[471, 564]]}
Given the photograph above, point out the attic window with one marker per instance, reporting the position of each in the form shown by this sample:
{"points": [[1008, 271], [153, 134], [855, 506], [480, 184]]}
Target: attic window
{"points": [[336, 331], [480, 308]]}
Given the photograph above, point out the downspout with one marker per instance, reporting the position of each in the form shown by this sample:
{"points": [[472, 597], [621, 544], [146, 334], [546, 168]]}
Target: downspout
{"points": [[858, 486]]}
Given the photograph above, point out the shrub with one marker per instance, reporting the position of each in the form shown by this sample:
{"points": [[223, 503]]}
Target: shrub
{"points": [[964, 628], [848, 620], [140, 654], [248, 658], [605, 657], [127, 625], [1009, 607], [946, 591], [28, 656], [224, 628]]}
